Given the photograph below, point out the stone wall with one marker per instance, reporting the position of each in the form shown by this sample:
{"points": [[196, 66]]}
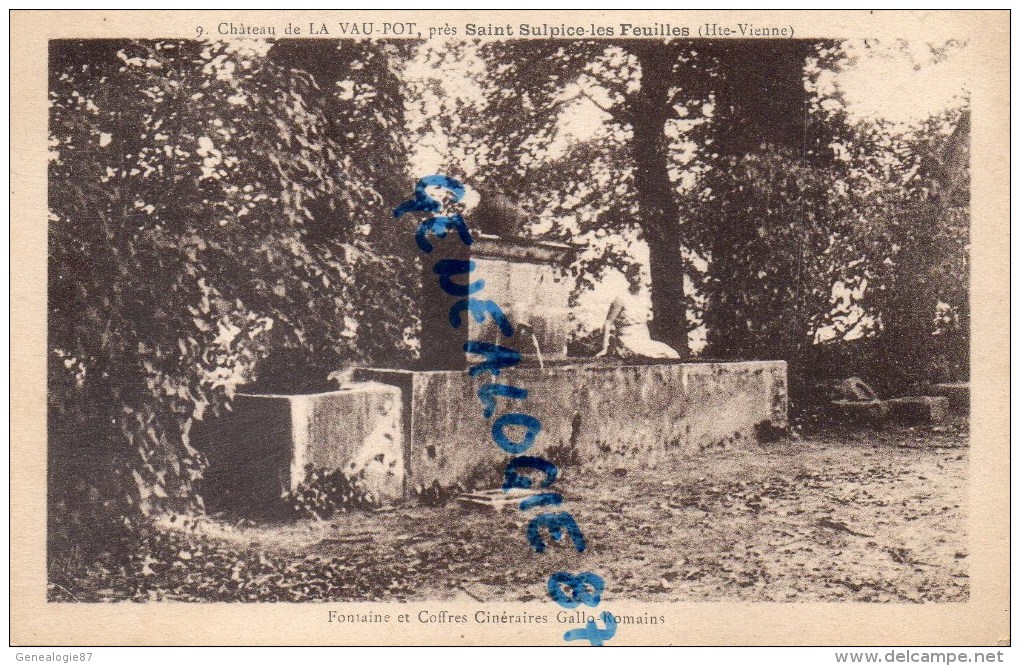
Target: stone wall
{"points": [[403, 430], [611, 415]]}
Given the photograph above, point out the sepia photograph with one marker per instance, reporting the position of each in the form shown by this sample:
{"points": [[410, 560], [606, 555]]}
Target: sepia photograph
{"points": [[541, 325]]}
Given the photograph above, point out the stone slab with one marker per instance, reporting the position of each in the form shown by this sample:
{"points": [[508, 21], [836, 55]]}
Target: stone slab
{"points": [[859, 412], [498, 499]]}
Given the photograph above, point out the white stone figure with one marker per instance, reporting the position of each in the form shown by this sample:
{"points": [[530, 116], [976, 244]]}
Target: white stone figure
{"points": [[629, 314]]}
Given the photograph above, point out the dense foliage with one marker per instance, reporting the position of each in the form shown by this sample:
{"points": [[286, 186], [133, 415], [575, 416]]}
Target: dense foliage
{"points": [[846, 256], [218, 219]]}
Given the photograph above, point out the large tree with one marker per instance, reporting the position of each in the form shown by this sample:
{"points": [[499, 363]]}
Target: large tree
{"points": [[836, 241], [764, 156], [624, 179], [668, 75]]}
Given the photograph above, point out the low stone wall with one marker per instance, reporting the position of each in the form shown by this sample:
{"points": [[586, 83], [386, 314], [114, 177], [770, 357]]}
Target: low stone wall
{"points": [[403, 430], [619, 416]]}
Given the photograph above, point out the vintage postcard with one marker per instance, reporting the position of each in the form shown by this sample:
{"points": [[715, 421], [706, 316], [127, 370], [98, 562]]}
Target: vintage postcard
{"points": [[510, 328]]}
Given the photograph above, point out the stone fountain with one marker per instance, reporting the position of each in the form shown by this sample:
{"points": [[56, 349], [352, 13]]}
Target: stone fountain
{"points": [[401, 430]]}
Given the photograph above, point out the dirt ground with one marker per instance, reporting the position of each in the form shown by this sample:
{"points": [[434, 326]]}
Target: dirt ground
{"points": [[860, 516]]}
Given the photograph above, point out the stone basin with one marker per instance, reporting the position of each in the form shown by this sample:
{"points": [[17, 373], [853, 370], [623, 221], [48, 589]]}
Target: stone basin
{"points": [[403, 430]]}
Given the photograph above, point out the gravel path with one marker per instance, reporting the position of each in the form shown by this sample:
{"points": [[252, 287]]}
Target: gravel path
{"points": [[864, 516]]}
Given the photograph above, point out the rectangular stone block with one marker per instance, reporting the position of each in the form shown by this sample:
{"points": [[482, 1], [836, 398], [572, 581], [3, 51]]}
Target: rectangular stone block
{"points": [[271, 442], [919, 409], [522, 278], [958, 394], [859, 412]]}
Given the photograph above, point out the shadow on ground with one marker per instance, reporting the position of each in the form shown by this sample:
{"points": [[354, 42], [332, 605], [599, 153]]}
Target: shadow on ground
{"points": [[871, 516]]}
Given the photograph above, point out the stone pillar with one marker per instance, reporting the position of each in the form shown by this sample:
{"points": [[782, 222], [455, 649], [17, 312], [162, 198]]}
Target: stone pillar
{"points": [[524, 277], [441, 345]]}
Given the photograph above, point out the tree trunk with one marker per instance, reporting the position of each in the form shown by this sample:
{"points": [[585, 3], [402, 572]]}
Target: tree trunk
{"points": [[759, 106], [649, 109]]}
